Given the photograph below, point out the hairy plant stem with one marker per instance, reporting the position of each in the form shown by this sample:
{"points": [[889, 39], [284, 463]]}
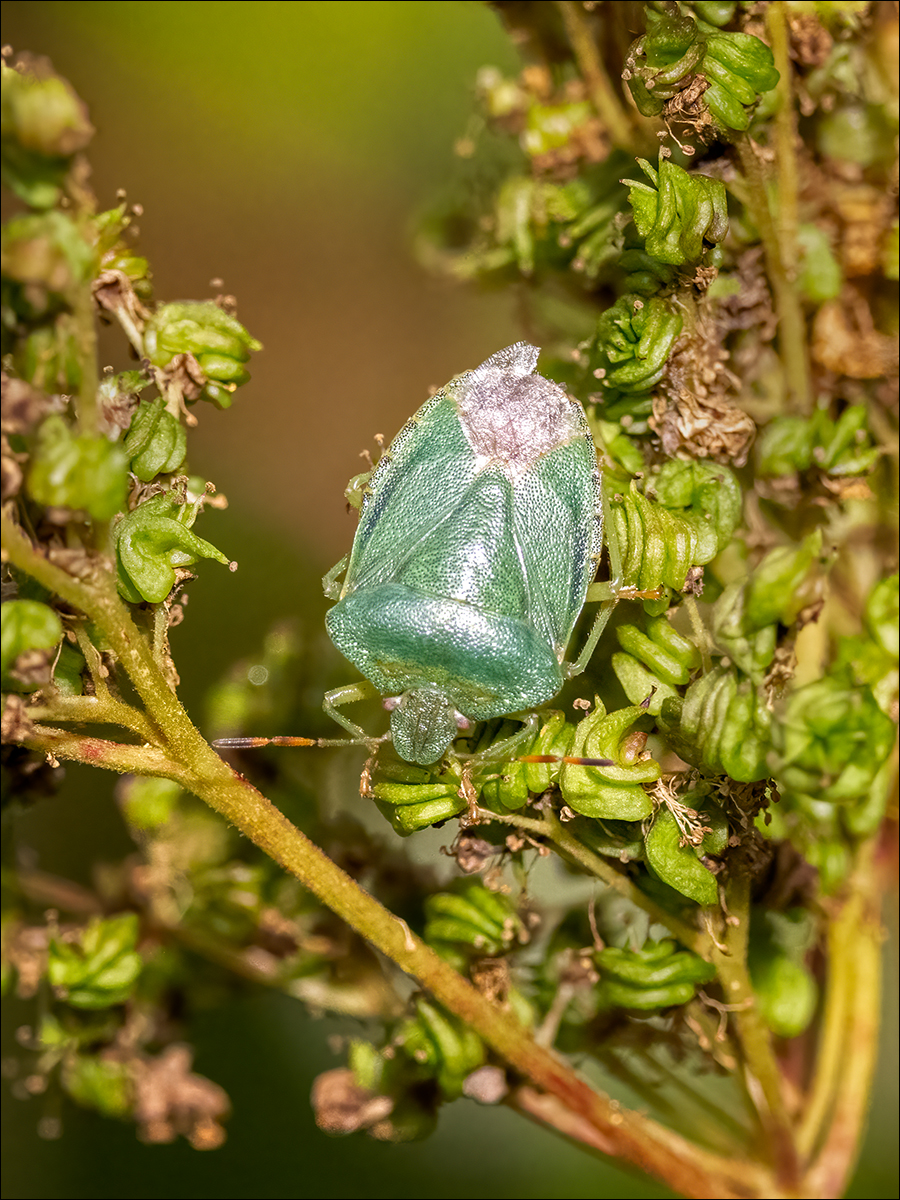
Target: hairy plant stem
{"points": [[577, 1110], [792, 337]]}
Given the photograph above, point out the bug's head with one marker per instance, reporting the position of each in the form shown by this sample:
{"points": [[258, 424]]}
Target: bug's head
{"points": [[424, 722]]}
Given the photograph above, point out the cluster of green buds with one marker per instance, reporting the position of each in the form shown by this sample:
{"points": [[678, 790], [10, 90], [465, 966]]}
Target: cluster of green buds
{"points": [[676, 53], [722, 725], [680, 216], [683, 518], [472, 921], [29, 628], [44, 126], [78, 472], [658, 975], [217, 341]]}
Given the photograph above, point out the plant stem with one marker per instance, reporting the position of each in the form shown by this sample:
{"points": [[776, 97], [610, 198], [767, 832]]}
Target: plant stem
{"points": [[760, 1065], [791, 321], [194, 763], [785, 139], [833, 1120], [590, 64]]}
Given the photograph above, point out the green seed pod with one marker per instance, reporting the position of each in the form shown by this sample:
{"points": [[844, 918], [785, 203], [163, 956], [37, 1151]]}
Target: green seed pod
{"points": [[614, 791], [747, 57], [77, 471], [27, 625], [658, 975], [156, 441], [152, 541], [101, 967], [711, 494], [722, 725], [678, 865], [679, 214]]}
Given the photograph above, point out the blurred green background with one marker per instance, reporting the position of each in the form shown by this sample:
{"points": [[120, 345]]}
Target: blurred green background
{"points": [[285, 148]]}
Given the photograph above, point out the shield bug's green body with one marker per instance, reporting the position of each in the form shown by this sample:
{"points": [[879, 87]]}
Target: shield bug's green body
{"points": [[478, 536]]}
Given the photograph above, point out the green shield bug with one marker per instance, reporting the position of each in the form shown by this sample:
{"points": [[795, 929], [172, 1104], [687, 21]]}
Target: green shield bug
{"points": [[479, 534]]}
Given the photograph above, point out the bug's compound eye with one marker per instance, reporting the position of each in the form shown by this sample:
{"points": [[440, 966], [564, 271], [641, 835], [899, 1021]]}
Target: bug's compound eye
{"points": [[423, 724]]}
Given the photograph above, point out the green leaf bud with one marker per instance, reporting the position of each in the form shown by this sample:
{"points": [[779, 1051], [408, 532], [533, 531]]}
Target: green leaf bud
{"points": [[27, 625], [101, 966], [156, 441], [77, 471], [154, 539]]}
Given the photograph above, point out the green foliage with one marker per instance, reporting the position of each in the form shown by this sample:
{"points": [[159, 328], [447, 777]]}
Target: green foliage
{"points": [[100, 965], [721, 810]]}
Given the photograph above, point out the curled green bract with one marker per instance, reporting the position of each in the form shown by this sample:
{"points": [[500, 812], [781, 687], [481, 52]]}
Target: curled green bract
{"points": [[156, 442], [656, 976], [634, 337], [696, 510], [614, 791], [673, 859], [444, 1047], [680, 215], [736, 68], [27, 625], [77, 471], [154, 539], [219, 342]]}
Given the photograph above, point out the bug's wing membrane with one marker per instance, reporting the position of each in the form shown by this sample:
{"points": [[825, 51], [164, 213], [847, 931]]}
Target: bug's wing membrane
{"points": [[556, 515], [416, 487]]}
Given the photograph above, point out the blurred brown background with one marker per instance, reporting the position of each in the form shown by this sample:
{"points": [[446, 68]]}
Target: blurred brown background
{"points": [[285, 148]]}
